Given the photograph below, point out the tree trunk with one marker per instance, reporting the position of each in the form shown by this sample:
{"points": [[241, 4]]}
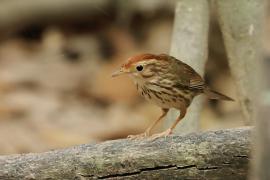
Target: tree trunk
{"points": [[222, 154], [190, 45], [241, 26]]}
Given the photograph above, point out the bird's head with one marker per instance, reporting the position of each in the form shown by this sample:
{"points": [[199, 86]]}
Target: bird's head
{"points": [[144, 67]]}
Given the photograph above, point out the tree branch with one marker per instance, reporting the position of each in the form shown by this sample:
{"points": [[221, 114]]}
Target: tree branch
{"points": [[223, 154], [29, 12]]}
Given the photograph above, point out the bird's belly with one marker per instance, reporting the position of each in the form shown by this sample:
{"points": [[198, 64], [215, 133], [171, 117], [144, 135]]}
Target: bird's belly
{"points": [[162, 100], [165, 102]]}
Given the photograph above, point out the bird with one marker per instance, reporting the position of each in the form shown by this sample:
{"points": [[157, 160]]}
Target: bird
{"points": [[167, 82]]}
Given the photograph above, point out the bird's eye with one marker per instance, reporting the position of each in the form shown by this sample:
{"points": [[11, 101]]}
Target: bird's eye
{"points": [[139, 68]]}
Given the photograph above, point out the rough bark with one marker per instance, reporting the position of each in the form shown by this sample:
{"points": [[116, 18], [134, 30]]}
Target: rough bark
{"points": [[190, 44], [222, 154], [241, 26]]}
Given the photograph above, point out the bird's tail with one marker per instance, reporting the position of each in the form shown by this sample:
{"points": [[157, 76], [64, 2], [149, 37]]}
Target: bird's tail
{"points": [[211, 94]]}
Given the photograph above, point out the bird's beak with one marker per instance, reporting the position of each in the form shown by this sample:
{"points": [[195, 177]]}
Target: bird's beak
{"points": [[119, 72]]}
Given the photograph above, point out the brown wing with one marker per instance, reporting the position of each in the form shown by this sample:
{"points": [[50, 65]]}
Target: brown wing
{"points": [[187, 76]]}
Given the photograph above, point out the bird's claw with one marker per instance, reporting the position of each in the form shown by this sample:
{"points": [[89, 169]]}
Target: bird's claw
{"points": [[163, 134], [138, 136]]}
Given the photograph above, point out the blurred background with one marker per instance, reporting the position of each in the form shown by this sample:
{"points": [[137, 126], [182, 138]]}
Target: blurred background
{"points": [[56, 60]]}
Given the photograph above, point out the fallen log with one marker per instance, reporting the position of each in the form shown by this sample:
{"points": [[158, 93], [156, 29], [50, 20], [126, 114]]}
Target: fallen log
{"points": [[222, 154]]}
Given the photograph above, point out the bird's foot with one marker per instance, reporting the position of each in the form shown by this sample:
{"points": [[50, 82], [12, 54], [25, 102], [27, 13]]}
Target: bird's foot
{"points": [[138, 136], [163, 134]]}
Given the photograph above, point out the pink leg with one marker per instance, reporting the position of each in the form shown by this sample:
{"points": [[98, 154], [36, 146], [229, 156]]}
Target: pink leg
{"points": [[169, 131]]}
